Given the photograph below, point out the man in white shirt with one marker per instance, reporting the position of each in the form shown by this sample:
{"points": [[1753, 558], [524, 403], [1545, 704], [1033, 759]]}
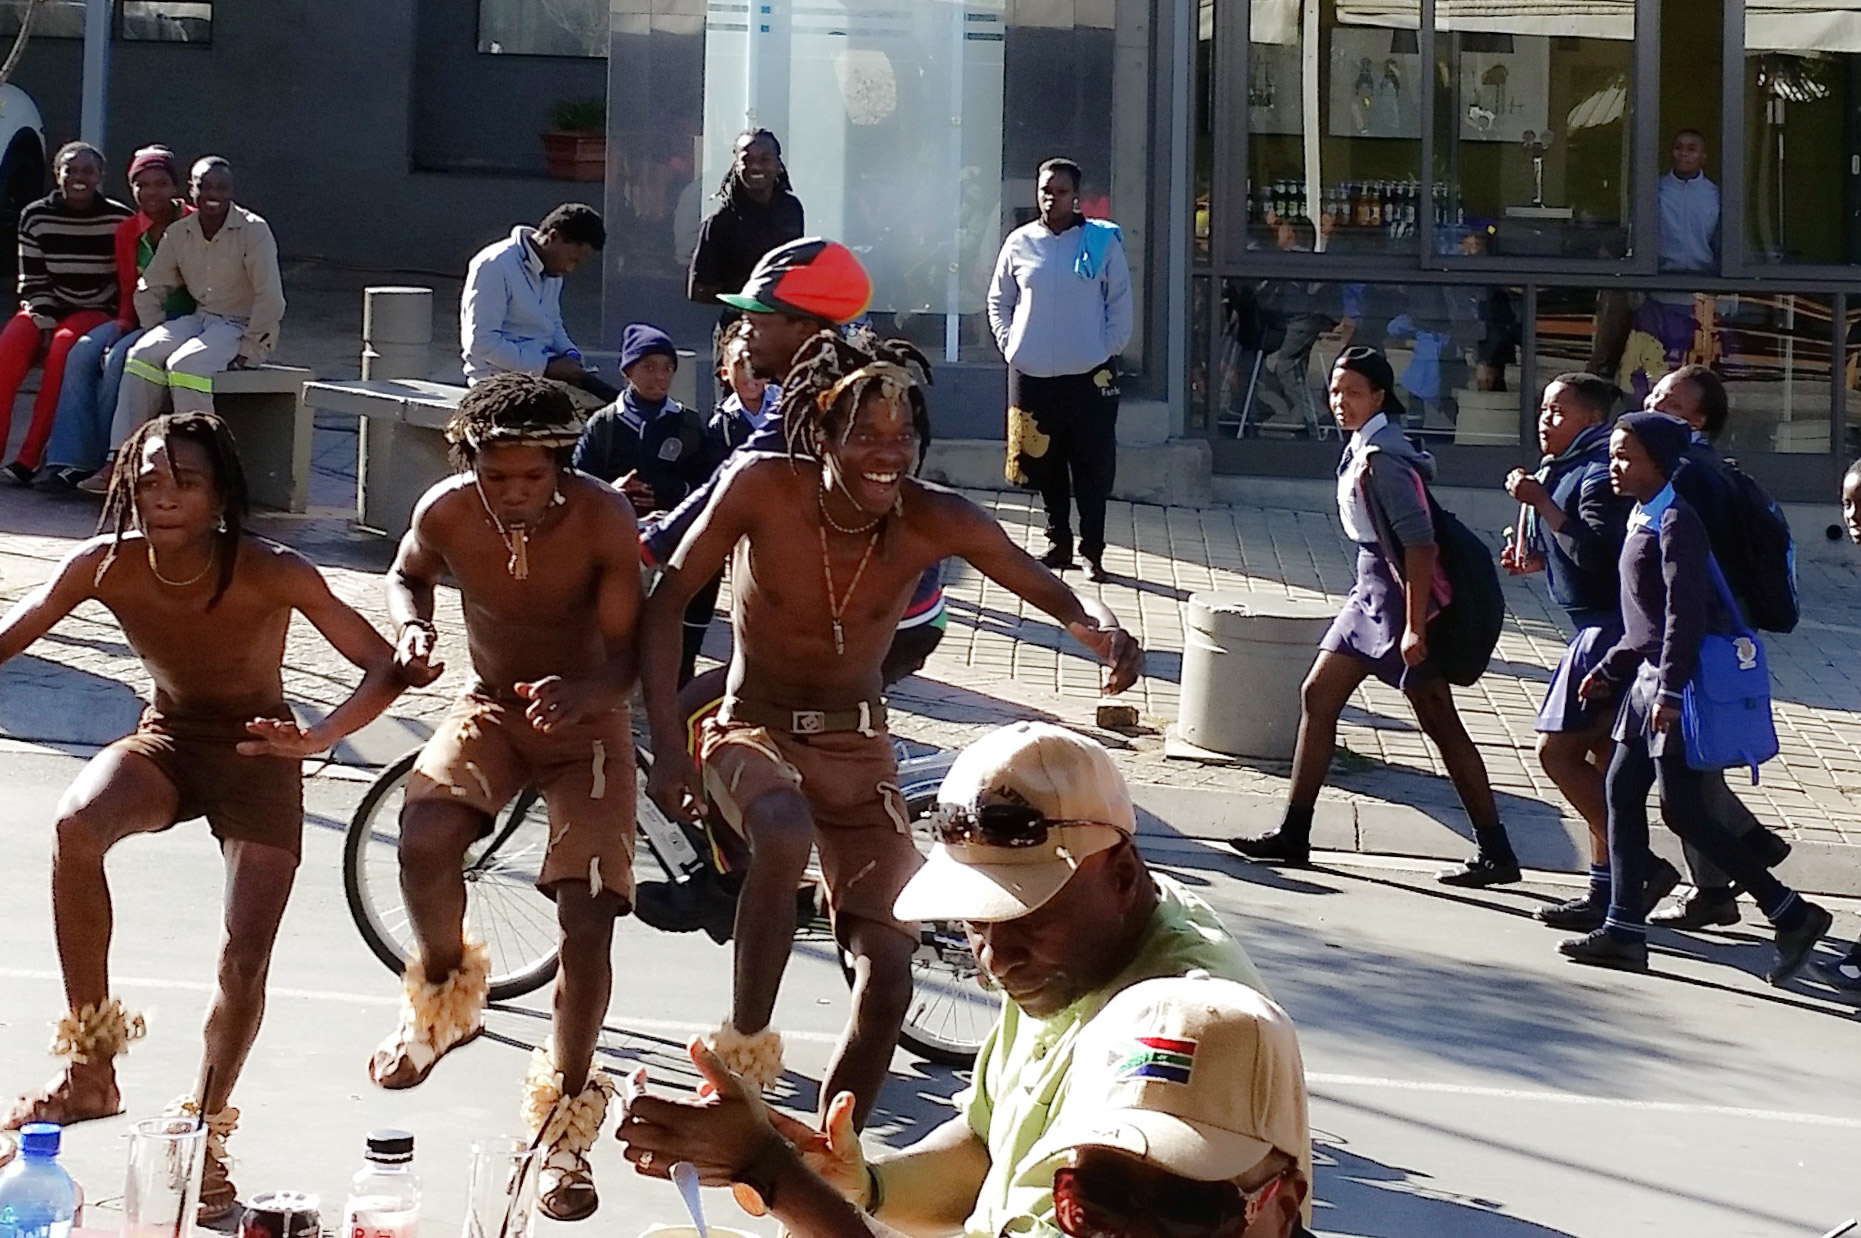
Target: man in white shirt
{"points": [[510, 316]]}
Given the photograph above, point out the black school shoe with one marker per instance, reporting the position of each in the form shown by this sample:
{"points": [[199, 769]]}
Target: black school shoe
{"points": [[1488, 868], [1697, 910], [1579, 915], [1794, 945], [1662, 878], [1601, 949], [17, 474], [1279, 847], [1095, 572], [688, 906]]}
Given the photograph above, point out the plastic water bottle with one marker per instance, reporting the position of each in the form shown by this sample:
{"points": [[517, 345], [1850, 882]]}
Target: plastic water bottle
{"points": [[384, 1195], [38, 1199]]}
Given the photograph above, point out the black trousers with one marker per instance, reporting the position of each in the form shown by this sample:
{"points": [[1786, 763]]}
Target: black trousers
{"points": [[1074, 456], [698, 614], [1633, 771]]}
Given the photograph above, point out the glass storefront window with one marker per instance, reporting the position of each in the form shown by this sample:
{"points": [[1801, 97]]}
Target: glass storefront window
{"points": [[551, 28], [1204, 153], [1454, 347], [1334, 127], [1802, 133], [1532, 142]]}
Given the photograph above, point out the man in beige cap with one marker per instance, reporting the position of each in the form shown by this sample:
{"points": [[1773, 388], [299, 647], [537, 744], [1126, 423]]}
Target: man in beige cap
{"points": [[1035, 853], [1185, 1115]]}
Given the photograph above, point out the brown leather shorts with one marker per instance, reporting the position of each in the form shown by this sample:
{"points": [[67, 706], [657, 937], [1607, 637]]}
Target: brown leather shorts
{"points": [[244, 799], [485, 751], [850, 781]]}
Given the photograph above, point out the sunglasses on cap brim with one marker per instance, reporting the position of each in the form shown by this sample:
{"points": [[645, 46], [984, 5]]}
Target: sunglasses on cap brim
{"points": [[997, 825]]}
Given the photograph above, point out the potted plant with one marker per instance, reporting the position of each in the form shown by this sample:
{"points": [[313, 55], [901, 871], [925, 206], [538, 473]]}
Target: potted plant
{"points": [[575, 144]]}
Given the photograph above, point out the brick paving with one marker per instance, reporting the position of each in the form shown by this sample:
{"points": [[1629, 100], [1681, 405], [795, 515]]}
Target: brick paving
{"points": [[1001, 660]]}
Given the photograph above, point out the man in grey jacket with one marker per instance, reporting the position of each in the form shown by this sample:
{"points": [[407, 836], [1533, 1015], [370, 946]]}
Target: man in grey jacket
{"points": [[1060, 307]]}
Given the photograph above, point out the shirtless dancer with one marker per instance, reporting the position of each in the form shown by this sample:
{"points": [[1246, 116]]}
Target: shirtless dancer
{"points": [[829, 543], [548, 565], [206, 607]]}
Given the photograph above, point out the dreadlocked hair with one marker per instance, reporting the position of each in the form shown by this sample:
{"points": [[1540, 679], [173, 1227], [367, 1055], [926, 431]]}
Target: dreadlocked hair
{"points": [[732, 182], [810, 421], [512, 407], [210, 434]]}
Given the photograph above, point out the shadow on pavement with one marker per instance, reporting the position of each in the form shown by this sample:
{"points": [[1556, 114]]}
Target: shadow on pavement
{"points": [[1358, 1196], [48, 702]]}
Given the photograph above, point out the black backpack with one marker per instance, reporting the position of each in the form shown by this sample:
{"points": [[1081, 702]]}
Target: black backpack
{"points": [[1757, 553], [1464, 633]]}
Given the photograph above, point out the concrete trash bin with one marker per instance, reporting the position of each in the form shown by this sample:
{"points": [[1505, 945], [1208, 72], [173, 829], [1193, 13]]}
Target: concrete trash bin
{"points": [[1244, 657]]}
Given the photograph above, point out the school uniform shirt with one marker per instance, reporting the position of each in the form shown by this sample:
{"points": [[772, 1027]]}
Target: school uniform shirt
{"points": [[1582, 561], [1373, 496], [510, 315], [1022, 1071], [67, 258], [665, 444], [232, 276], [1049, 319]]}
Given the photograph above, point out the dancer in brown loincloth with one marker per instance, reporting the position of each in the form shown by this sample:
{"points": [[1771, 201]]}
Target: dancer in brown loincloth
{"points": [[206, 606], [548, 564], [829, 543]]}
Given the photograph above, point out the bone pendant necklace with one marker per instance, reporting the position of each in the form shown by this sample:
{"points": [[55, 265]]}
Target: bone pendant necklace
{"points": [[836, 606], [516, 540]]}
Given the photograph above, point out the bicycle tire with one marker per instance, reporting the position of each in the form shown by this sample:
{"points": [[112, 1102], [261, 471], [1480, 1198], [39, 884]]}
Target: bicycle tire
{"points": [[945, 976], [535, 971]]}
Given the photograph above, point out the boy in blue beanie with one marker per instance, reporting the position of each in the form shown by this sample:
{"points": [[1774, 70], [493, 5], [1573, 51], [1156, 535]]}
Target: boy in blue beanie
{"points": [[655, 451]]}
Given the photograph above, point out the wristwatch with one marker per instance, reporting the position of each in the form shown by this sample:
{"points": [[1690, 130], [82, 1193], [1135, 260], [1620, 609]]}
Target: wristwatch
{"points": [[755, 1183]]}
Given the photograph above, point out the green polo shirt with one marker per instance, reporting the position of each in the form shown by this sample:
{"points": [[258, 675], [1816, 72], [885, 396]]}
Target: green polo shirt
{"points": [[1021, 1073]]}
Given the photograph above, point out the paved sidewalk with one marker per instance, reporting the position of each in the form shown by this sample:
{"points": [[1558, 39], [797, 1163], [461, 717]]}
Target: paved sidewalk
{"points": [[1001, 661]]}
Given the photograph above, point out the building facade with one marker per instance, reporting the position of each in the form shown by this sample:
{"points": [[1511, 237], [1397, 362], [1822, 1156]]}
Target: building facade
{"points": [[1496, 191]]}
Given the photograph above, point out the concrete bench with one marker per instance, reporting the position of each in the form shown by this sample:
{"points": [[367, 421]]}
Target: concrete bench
{"points": [[265, 409], [401, 448]]}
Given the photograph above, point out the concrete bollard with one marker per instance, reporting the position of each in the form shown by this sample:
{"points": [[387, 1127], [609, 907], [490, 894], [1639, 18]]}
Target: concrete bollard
{"points": [[397, 338], [1244, 657], [397, 332]]}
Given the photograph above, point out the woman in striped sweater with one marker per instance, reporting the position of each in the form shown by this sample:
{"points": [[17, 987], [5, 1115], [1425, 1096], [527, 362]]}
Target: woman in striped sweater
{"points": [[67, 286]]}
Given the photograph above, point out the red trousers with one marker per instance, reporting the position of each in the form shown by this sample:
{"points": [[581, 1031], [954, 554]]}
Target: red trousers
{"points": [[21, 344]]}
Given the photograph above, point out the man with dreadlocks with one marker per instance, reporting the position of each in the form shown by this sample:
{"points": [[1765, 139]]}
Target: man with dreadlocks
{"points": [[547, 563], [757, 212], [829, 543], [206, 607]]}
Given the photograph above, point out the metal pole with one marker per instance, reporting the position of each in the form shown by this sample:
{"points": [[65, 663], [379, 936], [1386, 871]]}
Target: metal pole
{"points": [[96, 88], [1179, 231]]}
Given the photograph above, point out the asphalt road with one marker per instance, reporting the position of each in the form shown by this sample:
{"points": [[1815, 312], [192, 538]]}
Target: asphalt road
{"points": [[1465, 1080]]}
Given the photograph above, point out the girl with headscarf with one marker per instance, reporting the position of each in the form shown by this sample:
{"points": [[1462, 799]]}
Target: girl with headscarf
{"points": [[94, 367], [1385, 507]]}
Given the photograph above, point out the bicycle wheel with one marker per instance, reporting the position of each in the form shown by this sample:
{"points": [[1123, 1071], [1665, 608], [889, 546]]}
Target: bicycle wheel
{"points": [[954, 1003], [502, 904]]}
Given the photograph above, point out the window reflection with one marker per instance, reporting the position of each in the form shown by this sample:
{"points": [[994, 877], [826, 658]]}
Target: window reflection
{"points": [[1454, 347], [1802, 86], [1532, 136], [1334, 124]]}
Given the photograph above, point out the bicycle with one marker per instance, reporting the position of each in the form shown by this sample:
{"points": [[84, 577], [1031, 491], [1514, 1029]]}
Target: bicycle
{"points": [[954, 1002]]}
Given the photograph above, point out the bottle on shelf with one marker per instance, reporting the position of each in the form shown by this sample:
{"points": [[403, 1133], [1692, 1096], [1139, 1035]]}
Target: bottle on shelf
{"points": [[38, 1199], [384, 1195]]}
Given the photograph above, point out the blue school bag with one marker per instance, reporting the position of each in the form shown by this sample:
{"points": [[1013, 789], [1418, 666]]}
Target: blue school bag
{"points": [[1725, 709]]}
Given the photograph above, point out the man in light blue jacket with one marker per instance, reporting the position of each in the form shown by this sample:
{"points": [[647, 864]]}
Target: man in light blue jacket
{"points": [[510, 316], [1060, 307]]}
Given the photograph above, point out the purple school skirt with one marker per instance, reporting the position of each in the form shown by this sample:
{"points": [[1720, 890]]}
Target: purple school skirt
{"points": [[1563, 710], [1370, 625]]}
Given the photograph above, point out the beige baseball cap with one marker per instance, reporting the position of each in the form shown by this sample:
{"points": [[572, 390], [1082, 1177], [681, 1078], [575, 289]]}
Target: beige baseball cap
{"points": [[1066, 778], [1194, 1075]]}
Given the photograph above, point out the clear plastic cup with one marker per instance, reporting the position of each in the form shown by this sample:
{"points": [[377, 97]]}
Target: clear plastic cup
{"points": [[500, 1197], [166, 1156]]}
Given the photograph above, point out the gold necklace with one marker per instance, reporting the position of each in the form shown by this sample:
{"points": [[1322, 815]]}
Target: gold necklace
{"points": [[837, 606], [180, 584], [837, 526]]}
